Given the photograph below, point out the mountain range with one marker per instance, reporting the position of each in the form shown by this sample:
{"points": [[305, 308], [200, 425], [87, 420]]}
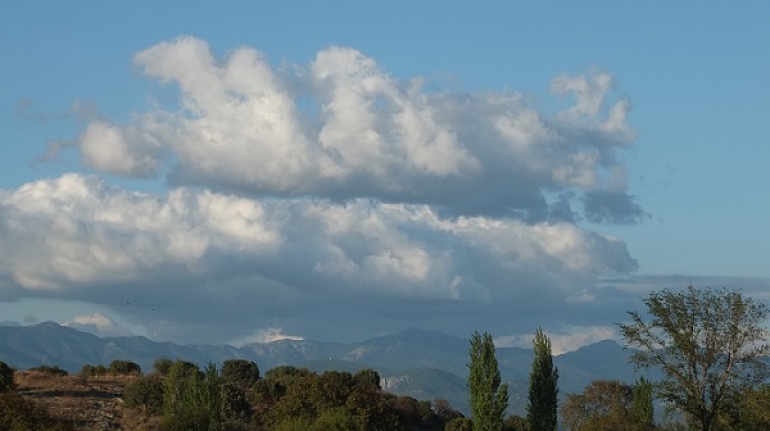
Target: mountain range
{"points": [[415, 362]]}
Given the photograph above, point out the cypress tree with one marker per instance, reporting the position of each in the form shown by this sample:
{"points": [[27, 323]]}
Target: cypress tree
{"points": [[543, 389], [489, 398]]}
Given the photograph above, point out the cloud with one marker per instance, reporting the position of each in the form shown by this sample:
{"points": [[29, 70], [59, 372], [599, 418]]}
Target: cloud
{"points": [[326, 195], [98, 324], [74, 237], [266, 335], [342, 128]]}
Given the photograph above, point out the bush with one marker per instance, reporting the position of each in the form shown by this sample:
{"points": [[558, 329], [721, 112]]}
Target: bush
{"points": [[93, 370], [147, 393], [120, 367], [50, 369], [6, 378]]}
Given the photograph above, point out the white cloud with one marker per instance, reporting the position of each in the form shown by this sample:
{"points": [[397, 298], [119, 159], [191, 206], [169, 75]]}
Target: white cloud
{"points": [[266, 335], [306, 196], [341, 127], [74, 237]]}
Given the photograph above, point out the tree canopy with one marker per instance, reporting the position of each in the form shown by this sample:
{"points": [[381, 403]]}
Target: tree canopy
{"points": [[543, 387], [709, 344], [489, 397]]}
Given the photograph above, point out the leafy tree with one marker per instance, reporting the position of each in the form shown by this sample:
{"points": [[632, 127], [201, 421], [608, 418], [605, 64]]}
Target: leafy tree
{"points": [[240, 372], [162, 365], [6, 378], [709, 343], [146, 393], [642, 409], [604, 405], [489, 398], [459, 424], [367, 377], [543, 387]]}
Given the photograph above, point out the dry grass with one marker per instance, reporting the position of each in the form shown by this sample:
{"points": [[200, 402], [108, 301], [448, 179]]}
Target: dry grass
{"points": [[90, 403]]}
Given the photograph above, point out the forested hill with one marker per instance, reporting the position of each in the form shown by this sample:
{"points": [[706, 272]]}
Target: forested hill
{"points": [[423, 364]]}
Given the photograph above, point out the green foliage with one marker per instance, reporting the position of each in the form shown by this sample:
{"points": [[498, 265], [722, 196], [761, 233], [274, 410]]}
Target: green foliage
{"points": [[50, 369], [642, 408], [543, 387], [162, 365], [6, 378], [709, 343], [367, 377], [610, 406], [459, 424], [240, 372], [121, 367], [146, 393], [489, 398]]}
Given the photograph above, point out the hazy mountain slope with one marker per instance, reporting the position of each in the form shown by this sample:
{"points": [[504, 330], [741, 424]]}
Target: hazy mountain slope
{"points": [[424, 364]]}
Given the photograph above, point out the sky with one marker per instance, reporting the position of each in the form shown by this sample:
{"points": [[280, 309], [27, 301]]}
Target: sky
{"points": [[250, 171]]}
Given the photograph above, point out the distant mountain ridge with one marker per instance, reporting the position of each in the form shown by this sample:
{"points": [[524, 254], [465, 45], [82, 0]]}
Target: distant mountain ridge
{"points": [[423, 364]]}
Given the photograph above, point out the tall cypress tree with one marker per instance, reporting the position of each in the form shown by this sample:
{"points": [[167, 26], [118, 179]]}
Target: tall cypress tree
{"points": [[489, 398], [543, 389]]}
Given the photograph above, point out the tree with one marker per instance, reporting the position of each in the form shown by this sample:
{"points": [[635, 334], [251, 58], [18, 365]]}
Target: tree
{"points": [[709, 344], [489, 398], [146, 393], [543, 387], [240, 372], [609, 405]]}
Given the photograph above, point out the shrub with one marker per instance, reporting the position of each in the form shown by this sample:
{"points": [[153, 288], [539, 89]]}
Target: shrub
{"points": [[93, 370], [50, 369], [120, 367]]}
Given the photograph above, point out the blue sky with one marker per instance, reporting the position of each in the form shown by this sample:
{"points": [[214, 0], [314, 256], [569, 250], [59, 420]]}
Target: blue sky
{"points": [[402, 153]]}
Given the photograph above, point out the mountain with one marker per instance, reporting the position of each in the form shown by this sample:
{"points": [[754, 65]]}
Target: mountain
{"points": [[423, 364]]}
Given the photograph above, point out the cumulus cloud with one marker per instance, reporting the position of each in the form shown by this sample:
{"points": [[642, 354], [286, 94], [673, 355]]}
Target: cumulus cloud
{"points": [[308, 197], [76, 237], [341, 127]]}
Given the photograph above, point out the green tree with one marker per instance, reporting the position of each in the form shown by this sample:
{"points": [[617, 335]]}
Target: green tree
{"points": [[609, 405], [543, 387], [489, 398], [642, 409], [459, 424], [146, 393], [6, 378], [709, 343], [240, 372]]}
